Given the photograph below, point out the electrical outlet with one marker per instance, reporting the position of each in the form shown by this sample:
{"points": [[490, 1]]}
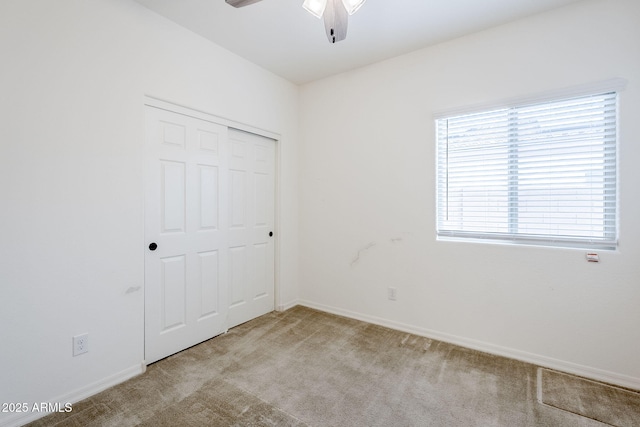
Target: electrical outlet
{"points": [[80, 344], [392, 293]]}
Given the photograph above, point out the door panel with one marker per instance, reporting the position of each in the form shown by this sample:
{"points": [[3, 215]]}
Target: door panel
{"points": [[238, 272], [237, 198], [173, 292], [208, 199], [185, 195], [209, 284], [260, 259], [172, 193], [252, 212]]}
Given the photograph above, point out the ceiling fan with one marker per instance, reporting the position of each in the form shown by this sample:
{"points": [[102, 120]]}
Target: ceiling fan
{"points": [[335, 13]]}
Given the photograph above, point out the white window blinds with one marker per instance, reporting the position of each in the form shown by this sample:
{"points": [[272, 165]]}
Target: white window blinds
{"points": [[537, 174]]}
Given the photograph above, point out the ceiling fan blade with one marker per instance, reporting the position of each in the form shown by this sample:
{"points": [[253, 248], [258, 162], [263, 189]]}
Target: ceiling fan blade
{"points": [[241, 3], [336, 19]]}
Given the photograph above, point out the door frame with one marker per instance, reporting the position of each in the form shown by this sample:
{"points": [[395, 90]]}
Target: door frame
{"points": [[202, 115]]}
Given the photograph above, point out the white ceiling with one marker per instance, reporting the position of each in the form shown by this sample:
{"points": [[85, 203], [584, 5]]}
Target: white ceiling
{"points": [[282, 37]]}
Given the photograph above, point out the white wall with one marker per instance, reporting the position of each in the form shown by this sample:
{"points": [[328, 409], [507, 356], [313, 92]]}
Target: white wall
{"points": [[73, 76], [367, 198]]}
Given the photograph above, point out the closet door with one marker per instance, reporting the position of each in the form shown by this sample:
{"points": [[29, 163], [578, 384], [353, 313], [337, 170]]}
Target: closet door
{"points": [[251, 189], [209, 230], [186, 232]]}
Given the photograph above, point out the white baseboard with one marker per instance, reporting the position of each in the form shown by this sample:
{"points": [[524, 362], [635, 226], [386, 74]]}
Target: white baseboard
{"points": [[536, 359], [287, 306], [20, 419]]}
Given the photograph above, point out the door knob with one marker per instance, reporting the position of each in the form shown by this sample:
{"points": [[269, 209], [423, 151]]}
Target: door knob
{"points": [[270, 233], [153, 246]]}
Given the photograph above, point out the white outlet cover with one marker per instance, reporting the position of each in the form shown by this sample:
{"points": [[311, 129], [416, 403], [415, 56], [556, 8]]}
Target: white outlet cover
{"points": [[80, 344]]}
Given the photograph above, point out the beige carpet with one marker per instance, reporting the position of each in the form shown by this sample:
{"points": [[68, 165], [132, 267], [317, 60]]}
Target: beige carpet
{"points": [[611, 405], [307, 368]]}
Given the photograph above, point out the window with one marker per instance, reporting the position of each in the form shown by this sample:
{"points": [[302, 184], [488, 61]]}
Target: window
{"points": [[540, 173]]}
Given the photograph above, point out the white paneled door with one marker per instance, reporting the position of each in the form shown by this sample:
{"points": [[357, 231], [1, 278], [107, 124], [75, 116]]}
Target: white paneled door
{"points": [[209, 212], [251, 217]]}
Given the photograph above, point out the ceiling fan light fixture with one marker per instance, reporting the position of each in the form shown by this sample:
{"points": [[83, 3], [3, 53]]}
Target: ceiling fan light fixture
{"points": [[315, 7], [352, 5]]}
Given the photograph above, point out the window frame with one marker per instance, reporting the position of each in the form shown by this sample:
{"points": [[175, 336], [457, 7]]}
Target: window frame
{"points": [[607, 242]]}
